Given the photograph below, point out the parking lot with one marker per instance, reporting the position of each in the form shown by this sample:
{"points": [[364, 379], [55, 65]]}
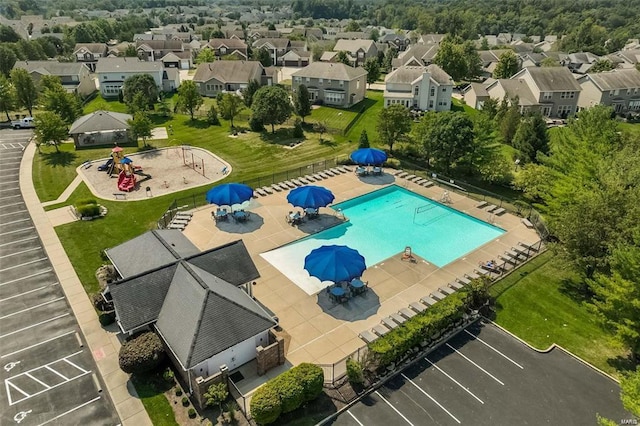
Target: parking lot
{"points": [[483, 376], [48, 375]]}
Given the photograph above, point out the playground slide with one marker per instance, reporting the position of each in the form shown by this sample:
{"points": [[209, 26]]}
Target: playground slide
{"points": [[126, 183]]}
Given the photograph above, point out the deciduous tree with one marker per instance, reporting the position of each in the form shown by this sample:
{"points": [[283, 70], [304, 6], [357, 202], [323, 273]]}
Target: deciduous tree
{"points": [[602, 65], [143, 84], [507, 66], [205, 55], [301, 103], [189, 98], [373, 70], [531, 138], [450, 136], [343, 58], [394, 123], [140, 126], [56, 99], [26, 92], [50, 128], [249, 91], [8, 59], [8, 99], [263, 56], [230, 105], [271, 105]]}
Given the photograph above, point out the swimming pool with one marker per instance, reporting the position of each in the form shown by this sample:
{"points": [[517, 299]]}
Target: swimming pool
{"points": [[381, 224]]}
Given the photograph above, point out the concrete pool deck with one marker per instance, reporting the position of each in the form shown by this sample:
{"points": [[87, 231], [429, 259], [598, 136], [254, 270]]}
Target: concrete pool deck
{"points": [[322, 332]]}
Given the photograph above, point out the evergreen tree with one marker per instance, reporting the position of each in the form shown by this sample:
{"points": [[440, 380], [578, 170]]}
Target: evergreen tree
{"points": [[249, 91], [301, 103], [373, 70], [531, 138], [343, 58], [363, 142]]}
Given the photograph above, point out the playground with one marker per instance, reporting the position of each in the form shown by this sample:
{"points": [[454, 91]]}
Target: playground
{"points": [[153, 173]]}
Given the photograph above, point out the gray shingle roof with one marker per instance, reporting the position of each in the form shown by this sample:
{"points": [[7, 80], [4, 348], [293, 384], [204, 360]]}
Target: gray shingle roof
{"points": [[228, 71], [331, 71], [352, 46], [278, 43], [422, 52], [617, 79], [203, 315], [551, 79], [161, 44], [52, 67], [150, 250], [91, 47], [216, 261], [127, 65], [230, 43], [408, 74], [518, 88], [99, 121]]}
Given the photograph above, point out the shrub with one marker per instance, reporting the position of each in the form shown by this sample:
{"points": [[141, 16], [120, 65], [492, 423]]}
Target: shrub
{"points": [[216, 394], [363, 142], [86, 201], [265, 405], [311, 378], [88, 210], [99, 303], [178, 392], [256, 125], [107, 318], [192, 413], [142, 352], [290, 391], [354, 372], [298, 132], [185, 401], [212, 117], [168, 375]]}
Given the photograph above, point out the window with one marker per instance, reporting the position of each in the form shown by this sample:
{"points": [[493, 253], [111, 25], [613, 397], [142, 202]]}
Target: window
{"points": [[547, 96], [444, 89], [223, 50], [416, 90], [634, 105], [433, 91], [341, 83], [430, 104], [296, 79], [567, 95], [357, 84], [334, 98], [564, 110], [320, 81], [629, 92], [308, 79]]}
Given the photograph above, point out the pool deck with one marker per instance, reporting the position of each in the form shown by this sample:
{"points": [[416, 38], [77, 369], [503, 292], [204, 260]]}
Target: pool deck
{"points": [[323, 332]]}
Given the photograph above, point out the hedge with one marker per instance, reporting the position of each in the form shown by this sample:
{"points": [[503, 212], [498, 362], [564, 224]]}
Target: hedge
{"points": [[143, 352], [286, 392]]}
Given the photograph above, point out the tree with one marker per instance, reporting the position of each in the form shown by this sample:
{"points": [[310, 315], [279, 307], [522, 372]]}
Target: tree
{"points": [[363, 142], [26, 92], [509, 119], [8, 59], [450, 136], [249, 91], [189, 98], [130, 51], [50, 128], [271, 105], [373, 70], [230, 105], [602, 65], [143, 84], [352, 26], [450, 58], [301, 103], [389, 57], [531, 138], [163, 107], [508, 65], [140, 126], [549, 62], [205, 55], [56, 99], [8, 99], [630, 385], [216, 394], [393, 124], [263, 56], [374, 34], [320, 127], [212, 116], [343, 57], [484, 44]]}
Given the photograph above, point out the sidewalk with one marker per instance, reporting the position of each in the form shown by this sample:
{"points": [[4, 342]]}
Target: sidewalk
{"points": [[104, 345]]}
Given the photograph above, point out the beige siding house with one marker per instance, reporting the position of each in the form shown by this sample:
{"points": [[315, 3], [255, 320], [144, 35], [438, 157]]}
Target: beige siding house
{"points": [[358, 50], [334, 84], [74, 76], [112, 72], [426, 88], [619, 88], [229, 76]]}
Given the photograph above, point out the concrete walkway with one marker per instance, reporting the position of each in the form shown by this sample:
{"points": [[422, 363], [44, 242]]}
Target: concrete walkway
{"points": [[104, 345], [65, 194]]}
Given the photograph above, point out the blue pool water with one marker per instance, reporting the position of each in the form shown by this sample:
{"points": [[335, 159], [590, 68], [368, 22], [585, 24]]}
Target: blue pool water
{"points": [[382, 223]]}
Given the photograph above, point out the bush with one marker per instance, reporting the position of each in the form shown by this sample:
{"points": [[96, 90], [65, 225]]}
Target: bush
{"points": [[99, 302], [185, 401], [107, 318], [142, 352], [192, 413], [178, 392], [363, 142], [287, 392], [88, 210], [265, 405], [216, 394], [354, 372], [168, 375], [86, 201], [212, 117], [298, 132], [256, 125]]}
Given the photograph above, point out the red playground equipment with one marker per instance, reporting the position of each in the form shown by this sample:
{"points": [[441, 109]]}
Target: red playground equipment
{"points": [[126, 181]]}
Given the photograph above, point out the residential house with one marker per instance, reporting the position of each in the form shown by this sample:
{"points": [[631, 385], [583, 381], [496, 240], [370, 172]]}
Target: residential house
{"points": [[400, 42], [74, 76], [427, 88], [156, 50], [230, 76], [358, 50], [199, 303], [228, 46], [619, 88], [334, 84], [631, 57], [553, 91], [170, 79], [101, 128], [89, 53], [112, 72], [277, 48], [296, 58], [580, 62], [417, 55], [430, 38], [490, 59], [351, 35]]}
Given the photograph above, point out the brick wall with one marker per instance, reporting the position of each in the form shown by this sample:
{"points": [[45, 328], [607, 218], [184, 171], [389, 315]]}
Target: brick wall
{"points": [[201, 385], [270, 356]]}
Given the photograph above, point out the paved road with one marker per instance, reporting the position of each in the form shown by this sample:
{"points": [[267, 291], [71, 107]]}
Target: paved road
{"points": [[48, 375], [483, 376]]}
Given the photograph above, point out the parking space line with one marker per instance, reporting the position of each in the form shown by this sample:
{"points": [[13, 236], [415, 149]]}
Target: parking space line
{"points": [[13, 204], [7, 384], [8, 189], [56, 372], [15, 221], [394, 408], [20, 252], [79, 368], [454, 381], [33, 325], [23, 264], [9, 214], [430, 397], [31, 307], [37, 344], [17, 230], [10, 196], [27, 292], [44, 271], [11, 181], [20, 241], [354, 418], [37, 380], [494, 349], [472, 362], [70, 411]]}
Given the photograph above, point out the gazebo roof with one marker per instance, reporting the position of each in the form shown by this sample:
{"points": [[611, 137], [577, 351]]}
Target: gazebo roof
{"points": [[100, 121]]}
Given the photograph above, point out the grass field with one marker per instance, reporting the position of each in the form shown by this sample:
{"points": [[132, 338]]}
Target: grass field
{"points": [[333, 118], [537, 304]]}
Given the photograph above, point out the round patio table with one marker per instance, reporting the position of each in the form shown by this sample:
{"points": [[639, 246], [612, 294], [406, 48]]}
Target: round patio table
{"points": [[337, 291]]}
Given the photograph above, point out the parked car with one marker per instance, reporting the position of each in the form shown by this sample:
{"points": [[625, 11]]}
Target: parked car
{"points": [[23, 123]]}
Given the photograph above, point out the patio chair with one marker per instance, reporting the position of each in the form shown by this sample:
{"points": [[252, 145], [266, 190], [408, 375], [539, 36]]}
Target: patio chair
{"points": [[377, 171], [407, 313], [389, 323], [361, 171], [219, 214], [368, 336]]}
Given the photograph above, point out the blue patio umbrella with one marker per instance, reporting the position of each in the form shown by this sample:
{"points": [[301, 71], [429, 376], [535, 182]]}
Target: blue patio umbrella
{"points": [[369, 156], [334, 263], [229, 194], [310, 196], [126, 160]]}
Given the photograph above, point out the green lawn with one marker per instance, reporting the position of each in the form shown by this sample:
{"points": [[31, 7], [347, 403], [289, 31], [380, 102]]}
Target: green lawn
{"points": [[458, 105], [151, 390], [536, 304], [334, 118]]}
